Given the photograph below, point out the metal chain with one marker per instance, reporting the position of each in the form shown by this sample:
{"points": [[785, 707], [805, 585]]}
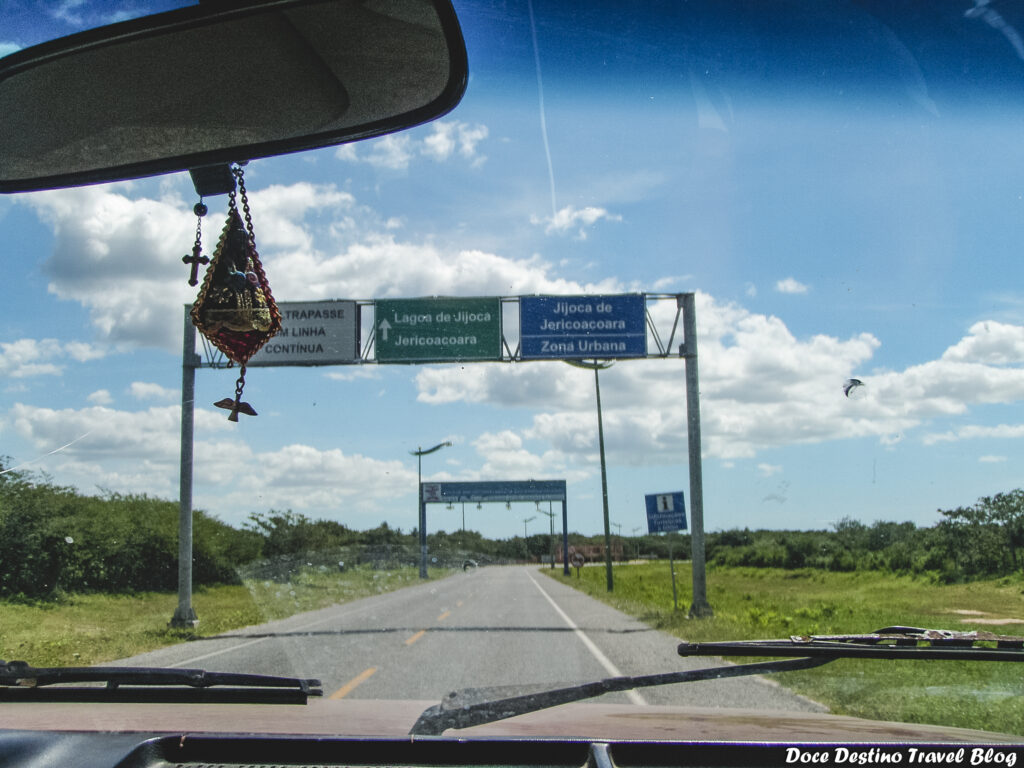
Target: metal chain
{"points": [[257, 266], [240, 383], [240, 176], [198, 245]]}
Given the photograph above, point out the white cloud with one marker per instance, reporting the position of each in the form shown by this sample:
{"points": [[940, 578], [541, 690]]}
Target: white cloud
{"points": [[991, 459], [671, 283], [989, 342], [7, 48], [66, 11], [353, 373], [280, 223], [397, 151], [976, 432], [505, 454], [347, 152], [761, 387], [451, 137], [767, 470], [149, 392], [138, 451], [571, 218], [82, 352], [100, 397], [394, 151], [790, 285], [382, 266], [25, 358], [152, 434], [121, 257]]}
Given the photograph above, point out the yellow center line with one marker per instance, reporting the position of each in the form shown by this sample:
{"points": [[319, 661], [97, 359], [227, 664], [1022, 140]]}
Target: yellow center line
{"points": [[354, 683], [444, 615], [416, 637]]}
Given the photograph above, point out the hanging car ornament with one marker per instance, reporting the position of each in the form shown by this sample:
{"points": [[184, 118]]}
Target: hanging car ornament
{"points": [[197, 258], [235, 309]]}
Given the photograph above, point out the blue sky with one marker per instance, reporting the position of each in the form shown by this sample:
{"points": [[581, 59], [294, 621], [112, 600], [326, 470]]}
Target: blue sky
{"points": [[827, 233]]}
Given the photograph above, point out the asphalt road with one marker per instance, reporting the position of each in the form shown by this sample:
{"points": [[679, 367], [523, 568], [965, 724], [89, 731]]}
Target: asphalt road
{"points": [[495, 626]]}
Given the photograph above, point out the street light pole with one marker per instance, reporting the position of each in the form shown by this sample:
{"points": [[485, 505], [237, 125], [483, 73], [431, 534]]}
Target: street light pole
{"points": [[526, 546], [419, 453], [595, 367], [551, 538]]}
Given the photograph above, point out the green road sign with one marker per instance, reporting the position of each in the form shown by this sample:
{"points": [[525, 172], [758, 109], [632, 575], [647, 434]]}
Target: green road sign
{"points": [[437, 330]]}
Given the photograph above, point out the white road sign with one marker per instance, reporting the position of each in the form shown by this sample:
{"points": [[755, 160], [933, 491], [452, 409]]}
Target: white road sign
{"points": [[313, 333]]}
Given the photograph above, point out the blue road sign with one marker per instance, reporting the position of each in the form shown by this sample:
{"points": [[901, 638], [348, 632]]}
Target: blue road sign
{"points": [[666, 512], [496, 490], [575, 327]]}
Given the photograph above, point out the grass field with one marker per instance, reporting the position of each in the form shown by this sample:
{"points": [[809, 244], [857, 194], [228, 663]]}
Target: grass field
{"points": [[752, 603], [80, 630]]}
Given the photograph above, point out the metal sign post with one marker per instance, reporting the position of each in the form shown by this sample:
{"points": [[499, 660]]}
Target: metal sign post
{"points": [[700, 607], [672, 569], [185, 617], [419, 453], [666, 513]]}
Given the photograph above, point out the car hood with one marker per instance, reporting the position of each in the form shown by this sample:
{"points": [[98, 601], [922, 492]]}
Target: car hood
{"points": [[391, 719]]}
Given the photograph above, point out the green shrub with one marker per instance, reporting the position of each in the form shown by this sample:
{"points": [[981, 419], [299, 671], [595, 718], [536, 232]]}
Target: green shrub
{"points": [[54, 540]]}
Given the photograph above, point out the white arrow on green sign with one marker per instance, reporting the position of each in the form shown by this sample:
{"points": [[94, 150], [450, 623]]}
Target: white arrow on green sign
{"points": [[437, 330]]}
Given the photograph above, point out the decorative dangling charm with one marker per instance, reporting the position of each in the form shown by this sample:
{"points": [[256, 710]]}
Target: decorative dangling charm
{"points": [[236, 406], [235, 309], [196, 259]]}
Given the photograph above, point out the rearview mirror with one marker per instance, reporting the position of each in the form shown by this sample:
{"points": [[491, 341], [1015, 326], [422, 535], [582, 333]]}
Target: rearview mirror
{"points": [[207, 85]]}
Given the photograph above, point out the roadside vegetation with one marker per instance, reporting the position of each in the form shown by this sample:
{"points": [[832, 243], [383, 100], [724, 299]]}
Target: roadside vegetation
{"points": [[90, 628], [56, 542], [761, 603]]}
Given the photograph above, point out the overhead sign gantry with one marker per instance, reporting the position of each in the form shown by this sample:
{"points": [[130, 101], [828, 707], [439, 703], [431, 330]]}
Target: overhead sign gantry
{"points": [[456, 330], [505, 491]]}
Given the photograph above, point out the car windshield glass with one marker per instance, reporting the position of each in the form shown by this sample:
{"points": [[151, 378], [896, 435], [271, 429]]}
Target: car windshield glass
{"points": [[691, 322]]}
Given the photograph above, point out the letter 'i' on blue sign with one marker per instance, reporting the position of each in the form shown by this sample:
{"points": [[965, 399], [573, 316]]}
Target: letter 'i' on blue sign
{"points": [[666, 512]]}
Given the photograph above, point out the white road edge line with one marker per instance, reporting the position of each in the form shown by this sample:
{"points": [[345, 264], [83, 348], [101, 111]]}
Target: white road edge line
{"points": [[603, 660]]}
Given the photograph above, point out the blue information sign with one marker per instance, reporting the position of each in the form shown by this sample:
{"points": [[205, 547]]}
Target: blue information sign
{"points": [[574, 327], [495, 490], [666, 512]]}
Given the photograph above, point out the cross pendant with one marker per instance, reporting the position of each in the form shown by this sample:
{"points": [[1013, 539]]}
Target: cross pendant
{"points": [[195, 260]]}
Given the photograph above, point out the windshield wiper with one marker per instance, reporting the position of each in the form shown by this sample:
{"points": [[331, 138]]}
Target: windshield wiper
{"points": [[885, 643], [476, 706], [19, 674]]}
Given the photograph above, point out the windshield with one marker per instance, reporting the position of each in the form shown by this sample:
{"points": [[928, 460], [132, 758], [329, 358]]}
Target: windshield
{"points": [[408, 490]]}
